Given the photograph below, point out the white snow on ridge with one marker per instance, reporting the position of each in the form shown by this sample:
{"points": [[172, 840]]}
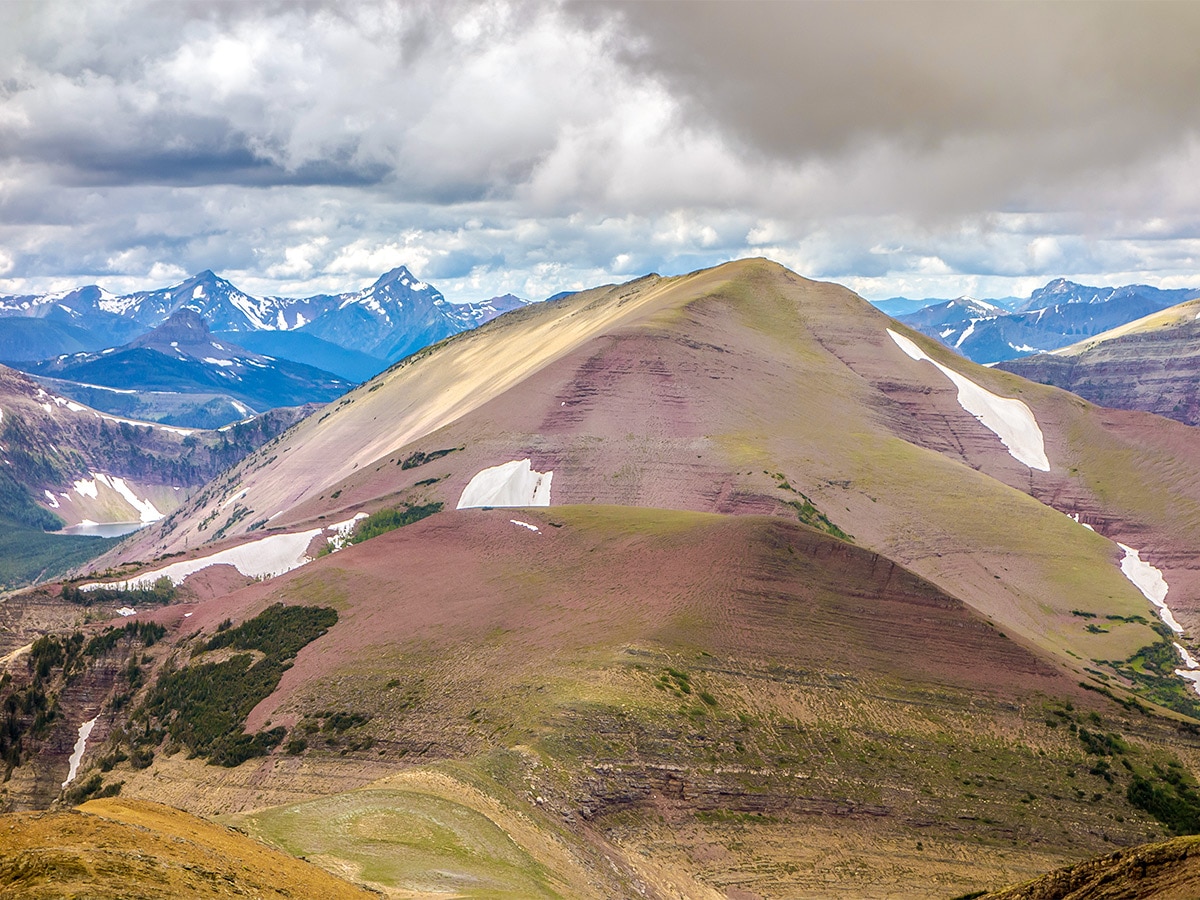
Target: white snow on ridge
{"points": [[1150, 582], [1008, 418], [85, 731], [509, 484]]}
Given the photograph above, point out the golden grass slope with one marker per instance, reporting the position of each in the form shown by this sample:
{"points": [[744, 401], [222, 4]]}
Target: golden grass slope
{"points": [[145, 851], [1164, 871], [862, 729]]}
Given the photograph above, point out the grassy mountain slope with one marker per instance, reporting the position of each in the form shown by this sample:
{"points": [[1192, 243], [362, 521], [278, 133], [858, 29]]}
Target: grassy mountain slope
{"points": [[123, 848], [711, 703], [794, 619], [745, 389]]}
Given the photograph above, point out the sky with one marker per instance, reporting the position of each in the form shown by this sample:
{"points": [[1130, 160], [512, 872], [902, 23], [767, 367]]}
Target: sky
{"points": [[899, 148]]}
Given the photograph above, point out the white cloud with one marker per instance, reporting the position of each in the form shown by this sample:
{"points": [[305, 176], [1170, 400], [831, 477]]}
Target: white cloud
{"points": [[507, 146]]}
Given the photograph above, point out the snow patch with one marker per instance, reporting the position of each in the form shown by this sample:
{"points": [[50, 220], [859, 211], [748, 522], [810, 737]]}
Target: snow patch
{"points": [[85, 731], [126, 611], [1188, 659], [1009, 419], [1149, 580], [86, 488], [509, 484], [342, 531], [51, 499], [264, 558], [532, 528], [145, 509], [223, 363], [966, 334]]}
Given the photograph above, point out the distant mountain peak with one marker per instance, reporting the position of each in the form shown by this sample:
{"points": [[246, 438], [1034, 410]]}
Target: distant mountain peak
{"points": [[400, 276], [185, 325]]}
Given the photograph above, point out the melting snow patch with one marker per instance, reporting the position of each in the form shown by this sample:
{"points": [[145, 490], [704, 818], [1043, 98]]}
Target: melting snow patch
{"points": [[127, 611], [1150, 582], [1190, 675], [343, 530], [1188, 659], [146, 510], [85, 731], [1009, 419], [263, 558], [532, 528], [510, 484], [86, 488], [51, 499]]}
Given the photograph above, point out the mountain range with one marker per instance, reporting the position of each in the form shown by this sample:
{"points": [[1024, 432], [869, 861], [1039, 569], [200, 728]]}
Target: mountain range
{"points": [[1053, 316], [1152, 364], [395, 316], [184, 376], [718, 585]]}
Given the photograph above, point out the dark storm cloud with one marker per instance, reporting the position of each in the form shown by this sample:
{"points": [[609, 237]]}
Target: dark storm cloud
{"points": [[533, 147], [796, 79]]}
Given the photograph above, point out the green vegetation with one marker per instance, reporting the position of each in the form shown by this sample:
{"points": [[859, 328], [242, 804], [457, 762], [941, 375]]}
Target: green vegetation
{"points": [[807, 511], [398, 838], [204, 705], [1171, 797], [1151, 670], [385, 520], [1160, 787], [162, 592], [418, 458], [92, 788], [29, 555], [390, 519], [278, 631]]}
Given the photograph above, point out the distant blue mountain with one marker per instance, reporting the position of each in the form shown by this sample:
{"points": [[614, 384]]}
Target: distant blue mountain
{"points": [[1053, 316], [180, 374], [394, 317]]}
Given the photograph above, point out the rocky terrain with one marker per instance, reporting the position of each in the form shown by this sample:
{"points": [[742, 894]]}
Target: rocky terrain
{"points": [[1152, 364]]}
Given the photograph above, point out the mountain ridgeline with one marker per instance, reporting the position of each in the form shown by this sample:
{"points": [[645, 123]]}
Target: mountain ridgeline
{"points": [[395, 316]]}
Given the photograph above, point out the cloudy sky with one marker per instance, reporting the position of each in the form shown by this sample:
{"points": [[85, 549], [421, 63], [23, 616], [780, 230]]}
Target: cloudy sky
{"points": [[900, 148]]}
